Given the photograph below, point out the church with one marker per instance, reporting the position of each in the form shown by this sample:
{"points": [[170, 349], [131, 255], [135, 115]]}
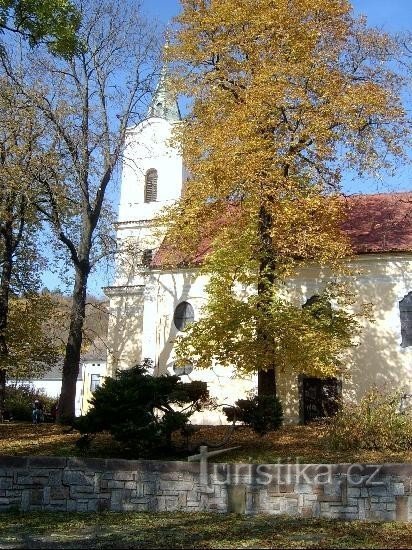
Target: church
{"points": [[150, 304]]}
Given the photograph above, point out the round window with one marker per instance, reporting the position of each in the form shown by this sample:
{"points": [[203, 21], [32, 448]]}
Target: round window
{"points": [[183, 368], [184, 314]]}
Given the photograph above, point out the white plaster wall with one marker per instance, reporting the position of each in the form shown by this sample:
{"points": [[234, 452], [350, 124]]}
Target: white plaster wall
{"points": [[378, 359], [125, 331], [148, 146], [88, 369]]}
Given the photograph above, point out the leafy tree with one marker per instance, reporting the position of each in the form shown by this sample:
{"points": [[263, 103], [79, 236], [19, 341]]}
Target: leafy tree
{"points": [[140, 410], [22, 159], [31, 344], [20, 399], [52, 21], [285, 95], [88, 101]]}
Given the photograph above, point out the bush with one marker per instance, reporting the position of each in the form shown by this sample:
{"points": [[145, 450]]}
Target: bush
{"points": [[374, 423], [262, 413], [142, 411], [20, 399]]}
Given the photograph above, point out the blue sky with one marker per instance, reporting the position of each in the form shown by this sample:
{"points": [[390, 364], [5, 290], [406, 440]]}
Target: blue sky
{"points": [[389, 15]]}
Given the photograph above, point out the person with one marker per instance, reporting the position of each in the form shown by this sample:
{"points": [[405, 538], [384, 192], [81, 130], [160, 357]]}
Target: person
{"points": [[37, 412]]}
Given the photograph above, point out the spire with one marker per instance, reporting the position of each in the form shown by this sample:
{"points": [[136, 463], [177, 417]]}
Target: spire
{"points": [[164, 104]]}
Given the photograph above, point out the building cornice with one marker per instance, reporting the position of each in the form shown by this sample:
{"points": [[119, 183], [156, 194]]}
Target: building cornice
{"points": [[123, 290]]}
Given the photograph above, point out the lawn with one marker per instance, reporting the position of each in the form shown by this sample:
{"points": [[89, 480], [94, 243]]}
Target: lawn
{"points": [[195, 530], [309, 444]]}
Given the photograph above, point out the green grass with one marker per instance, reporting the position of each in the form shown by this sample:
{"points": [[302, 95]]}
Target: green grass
{"points": [[195, 530]]}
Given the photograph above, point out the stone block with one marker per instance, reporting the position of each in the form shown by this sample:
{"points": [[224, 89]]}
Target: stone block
{"points": [[46, 495], [236, 499], [47, 462], [24, 480], [55, 478], [103, 504], [81, 490], [38, 481], [88, 464], [149, 488], [6, 483], [112, 484], [286, 488], [303, 489], [71, 505], [59, 493], [397, 489], [307, 512], [378, 490], [353, 492], [13, 462], [82, 506], [332, 489], [123, 476], [25, 501], [36, 497], [76, 478], [310, 498], [402, 508]]}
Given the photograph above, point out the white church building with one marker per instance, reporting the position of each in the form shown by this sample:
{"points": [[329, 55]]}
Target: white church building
{"points": [[150, 304]]}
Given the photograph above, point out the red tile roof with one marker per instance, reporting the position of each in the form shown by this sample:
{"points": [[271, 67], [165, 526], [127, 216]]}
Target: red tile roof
{"points": [[379, 223]]}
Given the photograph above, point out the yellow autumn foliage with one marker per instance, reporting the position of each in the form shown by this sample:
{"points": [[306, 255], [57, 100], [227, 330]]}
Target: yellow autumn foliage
{"points": [[284, 95]]}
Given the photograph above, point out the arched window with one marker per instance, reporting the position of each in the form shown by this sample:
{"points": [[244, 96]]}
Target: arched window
{"points": [[147, 257], [405, 311], [150, 188], [184, 314]]}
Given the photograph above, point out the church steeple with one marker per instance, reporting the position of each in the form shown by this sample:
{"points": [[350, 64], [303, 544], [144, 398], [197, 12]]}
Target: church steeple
{"points": [[164, 104]]}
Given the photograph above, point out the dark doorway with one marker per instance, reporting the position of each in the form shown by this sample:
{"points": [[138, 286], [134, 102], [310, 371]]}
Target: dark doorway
{"points": [[319, 397]]}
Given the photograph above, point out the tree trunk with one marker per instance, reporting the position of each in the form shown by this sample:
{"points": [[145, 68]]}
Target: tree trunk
{"points": [[266, 278], [71, 365], [7, 266]]}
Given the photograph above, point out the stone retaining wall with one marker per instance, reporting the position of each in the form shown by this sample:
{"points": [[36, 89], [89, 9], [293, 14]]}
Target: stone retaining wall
{"points": [[333, 491]]}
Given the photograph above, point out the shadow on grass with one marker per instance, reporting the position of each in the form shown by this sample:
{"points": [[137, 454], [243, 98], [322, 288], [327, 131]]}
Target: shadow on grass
{"points": [[195, 530]]}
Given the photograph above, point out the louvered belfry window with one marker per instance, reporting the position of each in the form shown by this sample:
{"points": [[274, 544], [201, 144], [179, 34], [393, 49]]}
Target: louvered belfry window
{"points": [[150, 188]]}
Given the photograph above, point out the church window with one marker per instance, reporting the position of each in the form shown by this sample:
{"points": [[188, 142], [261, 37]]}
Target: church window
{"points": [[405, 310], [94, 382], [180, 370], [150, 188], [184, 314], [147, 257]]}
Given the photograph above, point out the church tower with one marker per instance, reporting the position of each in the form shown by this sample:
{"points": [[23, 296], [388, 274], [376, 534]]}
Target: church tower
{"points": [[152, 176]]}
